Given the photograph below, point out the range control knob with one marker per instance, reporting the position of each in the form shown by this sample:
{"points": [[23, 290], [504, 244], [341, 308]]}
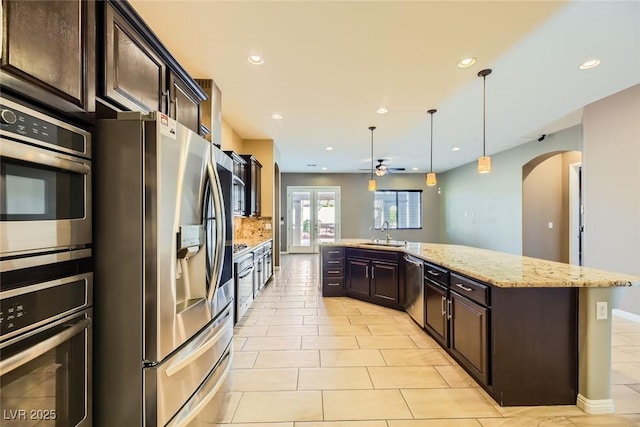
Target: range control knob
{"points": [[8, 117]]}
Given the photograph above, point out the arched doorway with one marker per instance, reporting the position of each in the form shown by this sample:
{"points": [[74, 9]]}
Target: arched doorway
{"points": [[551, 212]]}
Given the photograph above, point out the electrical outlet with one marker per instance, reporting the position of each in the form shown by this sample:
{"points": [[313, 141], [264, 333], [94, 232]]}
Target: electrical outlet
{"points": [[601, 310]]}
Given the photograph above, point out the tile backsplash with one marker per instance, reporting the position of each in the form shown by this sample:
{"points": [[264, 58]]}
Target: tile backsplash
{"points": [[252, 228]]}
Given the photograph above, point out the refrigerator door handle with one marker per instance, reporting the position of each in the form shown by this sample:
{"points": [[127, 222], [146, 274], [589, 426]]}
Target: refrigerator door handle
{"points": [[216, 193]]}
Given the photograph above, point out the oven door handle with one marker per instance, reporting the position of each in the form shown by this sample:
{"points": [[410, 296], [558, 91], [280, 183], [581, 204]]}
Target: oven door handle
{"points": [[22, 358], [18, 151]]}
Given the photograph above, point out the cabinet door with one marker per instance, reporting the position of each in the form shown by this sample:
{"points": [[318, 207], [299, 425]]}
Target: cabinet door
{"points": [[134, 76], [48, 52], [384, 281], [184, 105], [257, 188], [469, 339], [358, 277], [436, 312]]}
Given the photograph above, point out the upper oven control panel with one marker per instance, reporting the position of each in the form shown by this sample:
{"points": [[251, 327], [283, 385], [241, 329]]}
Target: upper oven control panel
{"points": [[24, 124]]}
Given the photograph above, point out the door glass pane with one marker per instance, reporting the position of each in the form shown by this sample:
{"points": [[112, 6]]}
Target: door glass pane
{"points": [[301, 227], [326, 204]]}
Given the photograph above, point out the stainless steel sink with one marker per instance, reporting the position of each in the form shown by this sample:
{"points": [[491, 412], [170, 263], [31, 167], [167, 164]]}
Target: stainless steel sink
{"points": [[393, 243]]}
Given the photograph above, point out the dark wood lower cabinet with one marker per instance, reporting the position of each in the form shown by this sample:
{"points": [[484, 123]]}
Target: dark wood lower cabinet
{"points": [[469, 335], [435, 299], [357, 277], [384, 281]]}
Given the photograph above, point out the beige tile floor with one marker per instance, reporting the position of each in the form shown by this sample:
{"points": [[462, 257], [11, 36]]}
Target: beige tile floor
{"points": [[306, 361]]}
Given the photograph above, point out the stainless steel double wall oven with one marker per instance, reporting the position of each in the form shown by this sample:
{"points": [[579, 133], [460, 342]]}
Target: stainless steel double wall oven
{"points": [[46, 279], [164, 266]]}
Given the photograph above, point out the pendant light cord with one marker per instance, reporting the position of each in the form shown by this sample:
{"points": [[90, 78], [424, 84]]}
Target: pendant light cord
{"points": [[431, 112], [372, 128], [484, 74]]}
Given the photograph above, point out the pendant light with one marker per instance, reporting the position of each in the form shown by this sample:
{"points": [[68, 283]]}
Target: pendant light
{"points": [[372, 182], [484, 162], [431, 176]]}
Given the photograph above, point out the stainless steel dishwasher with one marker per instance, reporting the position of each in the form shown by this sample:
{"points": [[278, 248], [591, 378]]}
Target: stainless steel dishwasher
{"points": [[414, 289]]}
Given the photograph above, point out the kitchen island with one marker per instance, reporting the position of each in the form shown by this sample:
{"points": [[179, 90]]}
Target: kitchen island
{"points": [[524, 328]]}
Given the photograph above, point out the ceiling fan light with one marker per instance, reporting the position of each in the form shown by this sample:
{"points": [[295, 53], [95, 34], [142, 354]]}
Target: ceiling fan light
{"points": [[372, 185], [484, 164], [431, 179], [381, 172]]}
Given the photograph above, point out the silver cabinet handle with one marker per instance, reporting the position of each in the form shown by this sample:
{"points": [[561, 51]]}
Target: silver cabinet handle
{"points": [[449, 310], [333, 271], [433, 273], [444, 305], [373, 276], [334, 252], [463, 287], [334, 284], [366, 272], [333, 262]]}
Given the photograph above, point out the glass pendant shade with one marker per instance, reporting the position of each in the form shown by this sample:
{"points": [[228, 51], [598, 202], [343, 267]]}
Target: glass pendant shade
{"points": [[484, 164], [431, 179], [372, 185]]}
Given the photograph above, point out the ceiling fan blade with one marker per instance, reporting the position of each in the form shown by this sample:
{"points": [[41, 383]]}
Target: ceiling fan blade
{"points": [[396, 169]]}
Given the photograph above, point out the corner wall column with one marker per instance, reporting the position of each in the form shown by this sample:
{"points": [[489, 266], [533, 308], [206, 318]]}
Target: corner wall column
{"points": [[594, 352]]}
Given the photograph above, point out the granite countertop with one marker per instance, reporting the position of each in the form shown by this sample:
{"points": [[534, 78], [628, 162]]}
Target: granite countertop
{"points": [[251, 245], [502, 269]]}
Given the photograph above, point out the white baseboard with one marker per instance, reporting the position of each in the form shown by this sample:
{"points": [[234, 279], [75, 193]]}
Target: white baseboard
{"points": [[594, 407], [626, 315]]}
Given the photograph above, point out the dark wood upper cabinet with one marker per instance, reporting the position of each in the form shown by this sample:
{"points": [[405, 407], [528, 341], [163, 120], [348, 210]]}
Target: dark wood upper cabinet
{"points": [[184, 106], [138, 73], [252, 186], [48, 53], [134, 75]]}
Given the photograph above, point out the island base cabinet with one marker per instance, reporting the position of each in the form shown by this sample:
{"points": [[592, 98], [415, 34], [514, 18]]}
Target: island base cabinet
{"points": [[384, 281], [435, 299], [469, 335], [357, 277], [534, 346]]}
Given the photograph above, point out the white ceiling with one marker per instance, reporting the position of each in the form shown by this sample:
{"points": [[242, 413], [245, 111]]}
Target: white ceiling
{"points": [[330, 64]]}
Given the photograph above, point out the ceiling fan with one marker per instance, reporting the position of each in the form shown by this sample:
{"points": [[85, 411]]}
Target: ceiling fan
{"points": [[381, 169]]}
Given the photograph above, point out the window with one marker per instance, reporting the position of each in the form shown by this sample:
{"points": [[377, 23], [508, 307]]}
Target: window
{"points": [[402, 209]]}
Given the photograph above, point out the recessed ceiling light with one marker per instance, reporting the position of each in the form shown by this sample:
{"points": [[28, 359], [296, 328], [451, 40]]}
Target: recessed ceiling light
{"points": [[329, 148], [466, 62], [324, 168], [455, 149], [590, 63], [276, 116], [382, 110], [414, 169], [256, 59]]}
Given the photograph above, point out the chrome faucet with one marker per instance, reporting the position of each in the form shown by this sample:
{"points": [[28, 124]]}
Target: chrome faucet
{"points": [[385, 227]]}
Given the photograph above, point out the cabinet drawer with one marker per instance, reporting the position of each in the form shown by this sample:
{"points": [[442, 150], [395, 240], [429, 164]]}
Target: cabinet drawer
{"points": [[437, 274], [338, 262], [469, 288], [333, 283], [333, 253], [333, 272]]}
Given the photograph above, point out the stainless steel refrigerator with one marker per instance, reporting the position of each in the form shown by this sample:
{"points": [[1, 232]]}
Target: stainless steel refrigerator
{"points": [[163, 274]]}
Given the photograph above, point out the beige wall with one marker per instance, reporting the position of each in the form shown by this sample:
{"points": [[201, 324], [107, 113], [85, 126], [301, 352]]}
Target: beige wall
{"points": [[231, 141], [611, 179], [545, 199], [485, 211]]}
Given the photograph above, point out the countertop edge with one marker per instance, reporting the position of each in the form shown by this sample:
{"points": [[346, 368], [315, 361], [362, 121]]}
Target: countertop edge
{"points": [[622, 280]]}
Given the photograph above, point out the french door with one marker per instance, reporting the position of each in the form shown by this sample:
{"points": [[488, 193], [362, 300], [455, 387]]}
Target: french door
{"points": [[313, 217]]}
